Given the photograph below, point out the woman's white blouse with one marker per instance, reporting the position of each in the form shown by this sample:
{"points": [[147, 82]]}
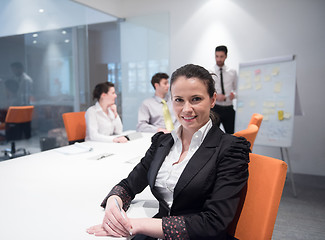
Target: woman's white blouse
{"points": [[100, 126], [170, 171]]}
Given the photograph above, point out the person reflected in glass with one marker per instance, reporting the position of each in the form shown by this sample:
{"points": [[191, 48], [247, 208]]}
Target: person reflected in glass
{"points": [[19, 86], [196, 172], [102, 120]]}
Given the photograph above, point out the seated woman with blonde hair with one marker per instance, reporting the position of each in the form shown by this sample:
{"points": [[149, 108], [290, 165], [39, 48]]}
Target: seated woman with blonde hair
{"points": [[102, 120]]}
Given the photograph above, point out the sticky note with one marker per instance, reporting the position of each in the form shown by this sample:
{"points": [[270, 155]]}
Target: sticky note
{"points": [[286, 115], [258, 86], [275, 71], [280, 115], [267, 78], [280, 104], [277, 87], [257, 71], [257, 78]]}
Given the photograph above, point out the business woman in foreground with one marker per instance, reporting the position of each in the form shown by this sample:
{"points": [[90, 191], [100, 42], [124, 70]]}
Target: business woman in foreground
{"points": [[196, 172]]}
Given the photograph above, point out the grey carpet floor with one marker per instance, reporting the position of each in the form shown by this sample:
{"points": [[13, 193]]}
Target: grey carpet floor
{"points": [[302, 217]]}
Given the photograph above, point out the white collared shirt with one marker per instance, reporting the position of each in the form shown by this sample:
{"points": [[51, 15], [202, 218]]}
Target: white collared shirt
{"points": [[170, 172], [229, 77], [100, 126]]}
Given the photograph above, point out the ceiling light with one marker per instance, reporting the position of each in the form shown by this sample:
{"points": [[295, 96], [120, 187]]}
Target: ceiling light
{"points": [[34, 41], [41, 10], [35, 35], [67, 41], [64, 32]]}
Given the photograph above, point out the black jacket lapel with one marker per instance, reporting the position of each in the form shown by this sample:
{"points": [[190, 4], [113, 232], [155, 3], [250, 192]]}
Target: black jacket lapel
{"points": [[208, 147], [161, 153]]}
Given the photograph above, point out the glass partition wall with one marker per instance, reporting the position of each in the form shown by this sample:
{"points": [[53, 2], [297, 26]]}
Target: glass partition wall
{"points": [[41, 69], [56, 70]]}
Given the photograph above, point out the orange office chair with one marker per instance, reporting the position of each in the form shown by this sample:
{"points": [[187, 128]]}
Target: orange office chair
{"points": [[252, 129], [75, 126], [256, 119], [260, 201], [17, 125], [249, 133]]}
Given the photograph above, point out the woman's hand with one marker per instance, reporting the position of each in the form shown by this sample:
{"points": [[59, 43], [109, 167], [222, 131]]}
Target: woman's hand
{"points": [[121, 139], [115, 222], [97, 230], [163, 130], [114, 109]]}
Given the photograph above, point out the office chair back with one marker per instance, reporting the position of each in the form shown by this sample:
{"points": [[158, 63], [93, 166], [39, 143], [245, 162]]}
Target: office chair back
{"points": [[18, 122], [249, 133], [260, 201], [252, 129], [75, 126], [256, 119], [19, 114]]}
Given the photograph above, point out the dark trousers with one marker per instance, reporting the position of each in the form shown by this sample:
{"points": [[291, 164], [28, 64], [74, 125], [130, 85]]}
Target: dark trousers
{"points": [[226, 115]]}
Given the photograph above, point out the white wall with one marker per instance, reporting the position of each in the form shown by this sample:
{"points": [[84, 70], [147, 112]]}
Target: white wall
{"points": [[252, 30]]}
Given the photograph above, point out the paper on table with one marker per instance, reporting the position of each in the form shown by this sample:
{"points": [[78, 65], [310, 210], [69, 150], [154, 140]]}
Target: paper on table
{"points": [[74, 149], [143, 209], [134, 160]]}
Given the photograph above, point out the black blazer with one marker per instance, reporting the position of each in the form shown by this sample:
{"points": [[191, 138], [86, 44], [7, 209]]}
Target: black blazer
{"points": [[208, 191]]}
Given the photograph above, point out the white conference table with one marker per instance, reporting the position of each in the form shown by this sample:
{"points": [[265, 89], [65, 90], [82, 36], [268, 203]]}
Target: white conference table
{"points": [[56, 194]]}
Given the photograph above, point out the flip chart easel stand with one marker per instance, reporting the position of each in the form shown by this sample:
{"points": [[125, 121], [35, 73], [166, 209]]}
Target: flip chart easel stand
{"points": [[285, 157]]}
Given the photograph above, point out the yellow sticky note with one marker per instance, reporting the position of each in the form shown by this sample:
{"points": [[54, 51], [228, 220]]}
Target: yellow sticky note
{"points": [[275, 71], [257, 78], [267, 78], [277, 87], [280, 104], [258, 86], [265, 111], [280, 115], [265, 104]]}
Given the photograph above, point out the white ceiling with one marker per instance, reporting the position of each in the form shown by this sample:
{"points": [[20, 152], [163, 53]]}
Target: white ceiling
{"points": [[21, 16]]}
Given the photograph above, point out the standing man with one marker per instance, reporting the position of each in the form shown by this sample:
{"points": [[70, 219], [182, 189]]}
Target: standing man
{"points": [[226, 85], [155, 114], [20, 86]]}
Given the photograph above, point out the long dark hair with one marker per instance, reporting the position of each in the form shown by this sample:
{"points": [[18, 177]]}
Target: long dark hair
{"points": [[196, 71]]}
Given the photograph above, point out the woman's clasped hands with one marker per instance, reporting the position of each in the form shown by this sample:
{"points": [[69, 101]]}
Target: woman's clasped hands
{"points": [[115, 222]]}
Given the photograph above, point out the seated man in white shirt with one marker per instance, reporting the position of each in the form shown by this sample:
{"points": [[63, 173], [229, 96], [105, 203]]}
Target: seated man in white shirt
{"points": [[155, 114]]}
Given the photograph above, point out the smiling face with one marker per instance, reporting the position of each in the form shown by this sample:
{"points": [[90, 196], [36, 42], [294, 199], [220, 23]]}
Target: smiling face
{"points": [[191, 103]]}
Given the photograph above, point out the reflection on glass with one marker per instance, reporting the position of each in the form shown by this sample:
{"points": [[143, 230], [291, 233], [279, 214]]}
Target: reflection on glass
{"points": [[142, 55], [39, 72]]}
